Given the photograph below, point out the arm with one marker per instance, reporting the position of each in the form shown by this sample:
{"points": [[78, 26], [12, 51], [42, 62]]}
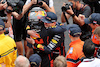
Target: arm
{"points": [[49, 9], [33, 33], [59, 28], [3, 6], [24, 10], [14, 54], [75, 18], [55, 42], [62, 15], [51, 5], [63, 18]]}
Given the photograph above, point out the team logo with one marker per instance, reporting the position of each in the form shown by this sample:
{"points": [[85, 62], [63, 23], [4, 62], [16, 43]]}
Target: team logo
{"points": [[95, 22], [48, 18]]}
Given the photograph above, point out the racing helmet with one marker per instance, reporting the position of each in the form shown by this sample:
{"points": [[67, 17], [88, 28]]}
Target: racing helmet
{"points": [[34, 15]]}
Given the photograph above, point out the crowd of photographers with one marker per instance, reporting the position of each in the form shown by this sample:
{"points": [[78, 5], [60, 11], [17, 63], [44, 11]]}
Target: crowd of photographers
{"points": [[35, 22]]}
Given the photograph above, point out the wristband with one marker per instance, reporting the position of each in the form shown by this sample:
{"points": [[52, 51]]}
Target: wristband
{"points": [[73, 15]]}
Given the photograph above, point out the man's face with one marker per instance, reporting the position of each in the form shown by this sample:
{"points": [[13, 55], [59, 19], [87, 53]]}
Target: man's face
{"points": [[48, 25], [74, 3]]}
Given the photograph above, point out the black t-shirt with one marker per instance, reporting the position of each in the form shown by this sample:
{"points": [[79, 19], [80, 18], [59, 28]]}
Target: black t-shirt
{"points": [[86, 11], [95, 6]]}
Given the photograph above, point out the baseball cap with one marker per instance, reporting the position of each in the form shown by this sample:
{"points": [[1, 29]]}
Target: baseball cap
{"points": [[35, 59], [49, 18], [74, 30], [93, 18], [2, 24]]}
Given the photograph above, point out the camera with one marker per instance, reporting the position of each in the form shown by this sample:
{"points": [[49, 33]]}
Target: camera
{"points": [[39, 2], [17, 5], [66, 7]]}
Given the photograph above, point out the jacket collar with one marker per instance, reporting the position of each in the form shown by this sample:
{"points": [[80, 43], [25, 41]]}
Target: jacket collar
{"points": [[74, 42]]}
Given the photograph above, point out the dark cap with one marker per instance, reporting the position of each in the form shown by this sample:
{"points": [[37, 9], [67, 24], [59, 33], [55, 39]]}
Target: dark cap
{"points": [[35, 59], [74, 30], [49, 18], [2, 24], [93, 18]]}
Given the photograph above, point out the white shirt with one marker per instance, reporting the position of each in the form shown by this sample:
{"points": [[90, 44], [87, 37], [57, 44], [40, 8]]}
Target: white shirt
{"points": [[94, 62], [50, 3]]}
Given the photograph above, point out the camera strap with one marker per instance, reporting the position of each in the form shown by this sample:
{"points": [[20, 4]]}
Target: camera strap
{"points": [[82, 8], [65, 18]]}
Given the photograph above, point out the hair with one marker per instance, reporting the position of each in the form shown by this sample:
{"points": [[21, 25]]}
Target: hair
{"points": [[60, 61], [22, 61], [97, 31], [88, 48]]}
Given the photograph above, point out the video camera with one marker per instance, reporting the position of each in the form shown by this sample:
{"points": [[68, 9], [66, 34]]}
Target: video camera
{"points": [[66, 7], [17, 5]]}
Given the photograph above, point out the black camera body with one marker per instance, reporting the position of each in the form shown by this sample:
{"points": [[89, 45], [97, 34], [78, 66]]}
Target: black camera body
{"points": [[17, 5], [66, 7]]}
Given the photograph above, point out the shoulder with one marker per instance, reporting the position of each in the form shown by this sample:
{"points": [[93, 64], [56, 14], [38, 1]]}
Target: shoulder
{"points": [[87, 7], [27, 2], [59, 28], [97, 59], [9, 39], [81, 65]]}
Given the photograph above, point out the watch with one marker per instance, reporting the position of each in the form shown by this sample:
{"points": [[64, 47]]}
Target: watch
{"points": [[73, 15]]}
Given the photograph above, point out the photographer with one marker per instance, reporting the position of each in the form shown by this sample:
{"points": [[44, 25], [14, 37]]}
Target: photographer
{"points": [[94, 4], [3, 12], [5, 15], [75, 10], [46, 4]]}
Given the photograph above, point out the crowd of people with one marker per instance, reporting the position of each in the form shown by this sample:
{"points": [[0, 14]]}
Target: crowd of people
{"points": [[35, 22]]}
